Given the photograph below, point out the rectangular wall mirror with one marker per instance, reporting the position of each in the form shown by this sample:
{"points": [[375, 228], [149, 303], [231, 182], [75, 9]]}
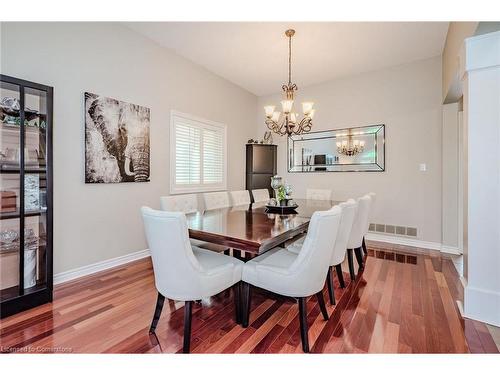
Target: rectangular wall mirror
{"points": [[359, 149]]}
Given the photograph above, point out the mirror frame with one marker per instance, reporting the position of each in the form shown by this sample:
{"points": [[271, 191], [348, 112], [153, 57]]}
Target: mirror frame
{"points": [[377, 166]]}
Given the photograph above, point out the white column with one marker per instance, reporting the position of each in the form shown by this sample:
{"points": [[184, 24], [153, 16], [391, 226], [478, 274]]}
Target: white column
{"points": [[481, 66]]}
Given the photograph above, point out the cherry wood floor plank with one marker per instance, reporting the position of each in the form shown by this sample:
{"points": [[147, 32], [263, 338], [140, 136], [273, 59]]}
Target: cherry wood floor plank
{"points": [[403, 302]]}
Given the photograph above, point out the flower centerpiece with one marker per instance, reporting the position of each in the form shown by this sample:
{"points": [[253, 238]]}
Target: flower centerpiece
{"points": [[281, 196]]}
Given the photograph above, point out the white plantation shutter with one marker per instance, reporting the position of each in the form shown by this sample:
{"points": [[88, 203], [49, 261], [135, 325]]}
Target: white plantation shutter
{"points": [[187, 155], [198, 162], [213, 153]]}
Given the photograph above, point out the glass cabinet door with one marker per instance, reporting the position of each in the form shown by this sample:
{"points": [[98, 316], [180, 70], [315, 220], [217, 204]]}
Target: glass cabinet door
{"points": [[35, 188], [10, 190]]}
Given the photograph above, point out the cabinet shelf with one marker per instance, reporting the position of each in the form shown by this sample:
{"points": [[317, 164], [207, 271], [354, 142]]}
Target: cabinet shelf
{"points": [[16, 129], [16, 215], [17, 170], [14, 248]]}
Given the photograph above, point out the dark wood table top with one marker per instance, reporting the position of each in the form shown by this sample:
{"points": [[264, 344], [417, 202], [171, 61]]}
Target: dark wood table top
{"points": [[250, 227]]}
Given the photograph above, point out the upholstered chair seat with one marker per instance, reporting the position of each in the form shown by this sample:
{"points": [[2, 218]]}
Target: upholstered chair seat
{"points": [[183, 272], [338, 256], [296, 275]]}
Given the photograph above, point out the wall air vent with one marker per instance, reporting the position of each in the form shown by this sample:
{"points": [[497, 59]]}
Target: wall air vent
{"points": [[396, 230]]}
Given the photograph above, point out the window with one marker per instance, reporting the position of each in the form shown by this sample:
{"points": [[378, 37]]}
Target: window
{"points": [[198, 160]]}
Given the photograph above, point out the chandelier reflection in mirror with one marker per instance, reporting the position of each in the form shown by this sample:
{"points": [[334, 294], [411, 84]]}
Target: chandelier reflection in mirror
{"points": [[349, 147], [287, 123]]}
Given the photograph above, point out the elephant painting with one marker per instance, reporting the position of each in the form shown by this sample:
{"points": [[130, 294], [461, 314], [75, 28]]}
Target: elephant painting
{"points": [[116, 141]]}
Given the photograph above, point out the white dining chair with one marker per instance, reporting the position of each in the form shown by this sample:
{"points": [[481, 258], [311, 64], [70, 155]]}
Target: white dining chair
{"points": [[373, 196], [240, 197], [260, 195], [340, 247], [349, 209], [319, 194], [218, 199], [358, 231], [188, 203], [184, 272], [295, 275]]}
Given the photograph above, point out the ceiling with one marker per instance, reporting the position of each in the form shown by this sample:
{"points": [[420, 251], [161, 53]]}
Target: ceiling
{"points": [[254, 55]]}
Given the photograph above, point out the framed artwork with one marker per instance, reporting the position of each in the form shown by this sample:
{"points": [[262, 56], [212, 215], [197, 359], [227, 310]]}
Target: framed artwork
{"points": [[116, 140]]}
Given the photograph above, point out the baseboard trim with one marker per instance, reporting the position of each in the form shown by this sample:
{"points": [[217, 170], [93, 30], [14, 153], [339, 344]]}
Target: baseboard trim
{"points": [[482, 305], [76, 273], [412, 242]]}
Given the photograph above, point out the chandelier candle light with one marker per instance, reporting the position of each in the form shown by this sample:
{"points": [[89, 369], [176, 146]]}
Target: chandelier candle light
{"points": [[288, 123]]}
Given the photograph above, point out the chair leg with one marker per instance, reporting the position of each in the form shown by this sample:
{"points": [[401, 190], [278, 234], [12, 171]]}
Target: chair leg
{"points": [[321, 303], [187, 325], [329, 282], [340, 275], [350, 260], [364, 247], [359, 257], [246, 296], [303, 324], [156, 317], [237, 302]]}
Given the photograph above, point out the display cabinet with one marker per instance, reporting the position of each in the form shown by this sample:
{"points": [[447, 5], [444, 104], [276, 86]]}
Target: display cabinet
{"points": [[26, 195]]}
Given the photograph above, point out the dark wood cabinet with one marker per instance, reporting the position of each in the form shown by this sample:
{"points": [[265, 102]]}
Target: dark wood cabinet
{"points": [[260, 166], [26, 275]]}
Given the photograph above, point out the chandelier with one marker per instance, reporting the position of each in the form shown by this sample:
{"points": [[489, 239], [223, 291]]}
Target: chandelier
{"points": [[350, 147], [288, 123]]}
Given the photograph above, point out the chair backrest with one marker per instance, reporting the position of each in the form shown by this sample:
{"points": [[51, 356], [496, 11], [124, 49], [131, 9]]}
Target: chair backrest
{"points": [[360, 226], [219, 199], [319, 194], [346, 220], [175, 267], [186, 203], [260, 195], [240, 197], [308, 271]]}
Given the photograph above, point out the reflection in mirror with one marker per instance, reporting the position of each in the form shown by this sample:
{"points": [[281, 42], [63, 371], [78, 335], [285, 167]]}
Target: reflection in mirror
{"points": [[340, 150]]}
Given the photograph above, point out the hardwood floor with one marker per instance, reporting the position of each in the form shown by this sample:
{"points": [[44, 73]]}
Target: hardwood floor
{"points": [[403, 302]]}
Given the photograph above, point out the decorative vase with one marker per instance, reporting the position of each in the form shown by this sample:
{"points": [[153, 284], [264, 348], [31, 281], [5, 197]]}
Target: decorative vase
{"points": [[276, 183]]}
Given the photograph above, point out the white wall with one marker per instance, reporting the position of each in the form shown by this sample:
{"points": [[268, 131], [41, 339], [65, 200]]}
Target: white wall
{"points": [[96, 222], [407, 99]]}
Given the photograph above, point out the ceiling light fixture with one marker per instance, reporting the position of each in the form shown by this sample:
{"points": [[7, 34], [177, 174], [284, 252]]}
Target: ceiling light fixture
{"points": [[287, 123]]}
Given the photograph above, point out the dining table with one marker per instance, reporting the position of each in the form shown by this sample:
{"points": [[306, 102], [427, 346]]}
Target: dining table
{"points": [[252, 228]]}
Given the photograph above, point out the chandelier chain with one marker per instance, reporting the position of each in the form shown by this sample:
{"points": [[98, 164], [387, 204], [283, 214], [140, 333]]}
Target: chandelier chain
{"points": [[290, 60]]}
